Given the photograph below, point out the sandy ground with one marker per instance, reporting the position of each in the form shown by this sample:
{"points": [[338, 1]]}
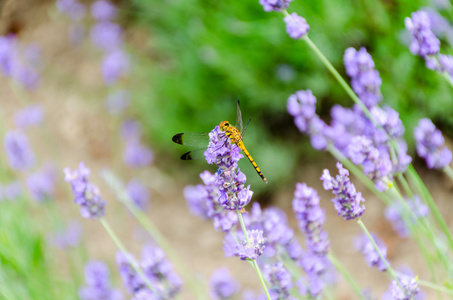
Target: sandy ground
{"points": [[77, 128]]}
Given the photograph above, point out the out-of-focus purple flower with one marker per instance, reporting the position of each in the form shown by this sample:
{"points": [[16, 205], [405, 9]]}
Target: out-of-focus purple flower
{"points": [[18, 151], [202, 202], [131, 130], [73, 9], [377, 167], [408, 291], [394, 212], [296, 26], [25, 75], [424, 42], [348, 202], [430, 145], [87, 195], [98, 283], [316, 267], [117, 102], [138, 193], [66, 237], [275, 5], [446, 64], [222, 285], [253, 250], [7, 53], [364, 245], [103, 10], [131, 280], [233, 195], [311, 218], [302, 106], [159, 270], [279, 279], [114, 66], [29, 116], [365, 80], [41, 184], [107, 36], [137, 155], [12, 190]]}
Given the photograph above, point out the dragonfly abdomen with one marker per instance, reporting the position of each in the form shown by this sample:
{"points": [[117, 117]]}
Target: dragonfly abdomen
{"points": [[257, 169]]}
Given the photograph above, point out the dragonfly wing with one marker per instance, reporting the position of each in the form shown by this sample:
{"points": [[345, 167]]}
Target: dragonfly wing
{"points": [[239, 118], [192, 139], [194, 154]]}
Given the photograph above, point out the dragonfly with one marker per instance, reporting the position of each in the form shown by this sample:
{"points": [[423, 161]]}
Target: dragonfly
{"points": [[234, 133]]}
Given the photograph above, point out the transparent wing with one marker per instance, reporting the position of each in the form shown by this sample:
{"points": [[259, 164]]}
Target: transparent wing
{"points": [[192, 139], [194, 154], [239, 118]]}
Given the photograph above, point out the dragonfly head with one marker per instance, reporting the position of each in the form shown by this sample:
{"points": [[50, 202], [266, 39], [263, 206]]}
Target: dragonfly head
{"points": [[224, 125]]}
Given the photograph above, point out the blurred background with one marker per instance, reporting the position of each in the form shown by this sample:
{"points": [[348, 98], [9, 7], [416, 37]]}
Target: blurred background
{"points": [[189, 62]]}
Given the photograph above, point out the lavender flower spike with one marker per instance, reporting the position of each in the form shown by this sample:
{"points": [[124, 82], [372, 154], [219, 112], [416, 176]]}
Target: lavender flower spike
{"points": [[296, 26], [233, 195], [365, 80], [18, 151], [364, 245], [280, 280], [424, 42], [347, 200], [275, 5], [87, 195], [253, 250], [223, 285], [430, 145], [98, 285]]}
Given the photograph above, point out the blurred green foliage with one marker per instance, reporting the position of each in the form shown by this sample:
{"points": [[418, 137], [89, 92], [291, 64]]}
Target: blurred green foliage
{"points": [[200, 56]]}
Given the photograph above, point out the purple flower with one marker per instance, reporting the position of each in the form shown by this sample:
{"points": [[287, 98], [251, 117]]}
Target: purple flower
{"points": [[253, 250], [98, 283], [107, 36], [41, 184], [29, 116], [365, 80], [131, 280], [222, 285], [137, 155], [138, 193], [7, 53], [296, 26], [103, 10], [159, 270], [66, 237], [72, 9], [364, 245], [302, 106], [202, 202], [12, 190], [115, 66], [446, 64], [131, 130], [311, 218], [347, 200], [393, 214], [275, 5], [117, 102], [430, 145], [18, 151], [316, 267], [409, 289], [87, 195], [376, 166], [424, 42], [279, 279], [233, 195]]}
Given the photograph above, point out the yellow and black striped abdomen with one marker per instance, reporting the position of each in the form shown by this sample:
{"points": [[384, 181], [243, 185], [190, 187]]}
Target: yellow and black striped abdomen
{"points": [[257, 169]]}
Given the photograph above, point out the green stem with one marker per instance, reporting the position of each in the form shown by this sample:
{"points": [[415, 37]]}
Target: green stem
{"points": [[346, 275], [432, 206], [384, 260], [405, 185], [127, 255], [447, 170], [255, 264]]}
